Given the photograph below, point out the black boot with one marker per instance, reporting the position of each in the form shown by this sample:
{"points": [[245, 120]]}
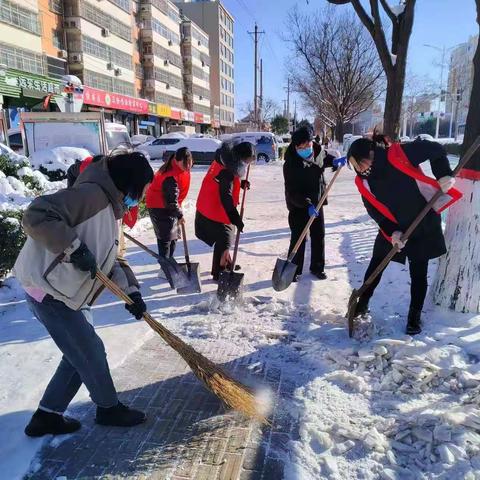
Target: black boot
{"points": [[320, 274], [119, 416], [414, 324], [43, 423]]}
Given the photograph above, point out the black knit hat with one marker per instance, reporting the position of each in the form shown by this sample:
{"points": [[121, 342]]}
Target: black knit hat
{"points": [[232, 153], [302, 135], [130, 173]]}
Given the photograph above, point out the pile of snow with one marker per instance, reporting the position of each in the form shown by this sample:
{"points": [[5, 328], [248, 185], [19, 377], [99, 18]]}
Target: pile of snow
{"points": [[59, 158], [17, 193]]}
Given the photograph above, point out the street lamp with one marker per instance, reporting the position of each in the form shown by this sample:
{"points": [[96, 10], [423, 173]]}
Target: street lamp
{"points": [[443, 51]]}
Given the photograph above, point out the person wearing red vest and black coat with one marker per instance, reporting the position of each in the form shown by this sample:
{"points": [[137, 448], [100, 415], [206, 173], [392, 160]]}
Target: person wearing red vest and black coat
{"points": [[394, 191], [218, 199], [165, 197], [305, 163]]}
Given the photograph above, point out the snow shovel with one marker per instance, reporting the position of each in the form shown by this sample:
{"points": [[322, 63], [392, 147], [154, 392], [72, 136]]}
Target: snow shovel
{"points": [[230, 282], [176, 275], [195, 284], [228, 390], [356, 294], [285, 270]]}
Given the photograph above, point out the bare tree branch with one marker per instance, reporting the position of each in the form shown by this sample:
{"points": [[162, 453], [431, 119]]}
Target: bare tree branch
{"points": [[388, 11]]}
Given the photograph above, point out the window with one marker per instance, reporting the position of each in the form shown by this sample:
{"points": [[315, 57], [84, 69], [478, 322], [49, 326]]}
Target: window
{"points": [[123, 4], [110, 84], [57, 39], [162, 30], [166, 54], [169, 100], [20, 17], [56, 6], [167, 77], [201, 92], [21, 59], [199, 73], [110, 54], [100, 18]]}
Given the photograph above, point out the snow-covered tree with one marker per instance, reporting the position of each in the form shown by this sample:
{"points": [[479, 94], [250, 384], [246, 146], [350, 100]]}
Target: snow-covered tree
{"points": [[457, 285], [393, 57]]}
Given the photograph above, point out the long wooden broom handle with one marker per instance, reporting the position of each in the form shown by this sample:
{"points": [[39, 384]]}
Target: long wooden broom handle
{"points": [[185, 247], [465, 159], [312, 218], [141, 245], [242, 209]]}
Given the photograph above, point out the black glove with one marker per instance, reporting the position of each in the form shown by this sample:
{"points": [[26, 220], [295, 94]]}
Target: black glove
{"points": [[245, 185], [138, 307], [83, 259], [240, 225]]}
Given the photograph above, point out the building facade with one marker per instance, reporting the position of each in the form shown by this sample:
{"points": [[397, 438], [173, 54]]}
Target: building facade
{"points": [[460, 80], [216, 21]]}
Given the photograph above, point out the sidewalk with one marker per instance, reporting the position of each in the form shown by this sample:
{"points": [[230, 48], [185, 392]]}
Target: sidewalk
{"points": [[188, 434]]}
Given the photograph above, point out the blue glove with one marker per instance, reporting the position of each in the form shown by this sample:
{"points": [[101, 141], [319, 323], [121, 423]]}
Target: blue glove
{"points": [[312, 211], [339, 162]]}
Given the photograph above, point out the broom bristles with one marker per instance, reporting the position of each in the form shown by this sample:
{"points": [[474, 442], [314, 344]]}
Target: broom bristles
{"points": [[231, 392]]}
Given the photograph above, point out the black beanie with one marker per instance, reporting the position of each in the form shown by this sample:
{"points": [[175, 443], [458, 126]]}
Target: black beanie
{"points": [[302, 135], [130, 173]]}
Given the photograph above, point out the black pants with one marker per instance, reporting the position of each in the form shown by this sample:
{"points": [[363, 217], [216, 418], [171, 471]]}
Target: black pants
{"points": [[166, 247], [218, 235], [297, 219], [418, 276]]}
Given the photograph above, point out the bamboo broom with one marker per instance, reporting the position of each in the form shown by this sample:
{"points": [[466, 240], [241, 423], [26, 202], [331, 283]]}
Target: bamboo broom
{"points": [[231, 392]]}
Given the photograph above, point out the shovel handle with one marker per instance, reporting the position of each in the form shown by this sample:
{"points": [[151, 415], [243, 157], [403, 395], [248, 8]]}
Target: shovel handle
{"points": [[312, 218], [242, 210], [185, 247], [142, 246], [465, 159]]}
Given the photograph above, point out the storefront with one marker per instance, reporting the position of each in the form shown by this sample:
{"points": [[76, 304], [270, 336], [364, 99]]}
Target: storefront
{"points": [[22, 91]]}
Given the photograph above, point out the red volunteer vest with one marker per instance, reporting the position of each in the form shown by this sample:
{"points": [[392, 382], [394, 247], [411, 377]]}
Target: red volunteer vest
{"points": [[130, 217], [155, 198], [209, 203], [428, 186]]}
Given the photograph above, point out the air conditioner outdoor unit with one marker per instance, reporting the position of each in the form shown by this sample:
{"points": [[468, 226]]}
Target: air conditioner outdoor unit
{"points": [[110, 66], [200, 97], [203, 63], [62, 54], [170, 43], [199, 43], [167, 86], [166, 63], [77, 58], [118, 72], [105, 32]]}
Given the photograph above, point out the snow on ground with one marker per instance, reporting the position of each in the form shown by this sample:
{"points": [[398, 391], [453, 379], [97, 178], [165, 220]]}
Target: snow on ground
{"points": [[387, 406]]}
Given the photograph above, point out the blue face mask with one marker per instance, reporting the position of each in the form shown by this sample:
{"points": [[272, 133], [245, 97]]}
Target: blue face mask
{"points": [[129, 202], [305, 152]]}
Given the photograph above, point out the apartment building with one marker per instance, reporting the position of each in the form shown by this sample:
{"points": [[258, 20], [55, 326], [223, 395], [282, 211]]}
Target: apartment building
{"points": [[159, 22], [212, 17], [196, 67]]}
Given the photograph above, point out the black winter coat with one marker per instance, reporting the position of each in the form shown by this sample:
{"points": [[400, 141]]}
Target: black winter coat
{"points": [[304, 182], [400, 193]]}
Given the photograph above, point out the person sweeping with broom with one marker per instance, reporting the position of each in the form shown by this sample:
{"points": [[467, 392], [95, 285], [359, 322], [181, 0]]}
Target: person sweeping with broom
{"points": [[394, 191], [218, 199], [72, 236], [164, 200]]}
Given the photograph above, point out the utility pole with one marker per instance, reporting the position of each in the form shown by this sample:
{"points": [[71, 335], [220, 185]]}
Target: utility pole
{"points": [[295, 116], [255, 34], [288, 101], [260, 106]]}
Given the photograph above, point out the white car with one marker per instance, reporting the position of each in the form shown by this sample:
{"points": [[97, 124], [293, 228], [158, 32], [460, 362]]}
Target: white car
{"points": [[15, 140], [425, 136], [349, 141], [203, 149], [156, 148], [141, 139]]}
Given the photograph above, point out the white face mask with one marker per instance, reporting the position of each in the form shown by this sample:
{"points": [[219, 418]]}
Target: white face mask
{"points": [[242, 169]]}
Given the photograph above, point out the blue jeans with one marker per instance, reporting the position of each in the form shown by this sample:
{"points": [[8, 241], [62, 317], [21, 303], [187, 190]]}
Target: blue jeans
{"points": [[84, 358]]}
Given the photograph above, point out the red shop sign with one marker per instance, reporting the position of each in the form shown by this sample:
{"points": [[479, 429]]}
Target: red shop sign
{"points": [[101, 98], [198, 117], [176, 114]]}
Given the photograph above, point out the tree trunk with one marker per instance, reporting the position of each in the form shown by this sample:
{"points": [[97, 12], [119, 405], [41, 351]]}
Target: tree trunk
{"points": [[393, 103], [339, 129], [457, 284]]}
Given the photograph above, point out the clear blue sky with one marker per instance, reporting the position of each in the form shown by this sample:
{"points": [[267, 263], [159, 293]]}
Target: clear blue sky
{"points": [[437, 22]]}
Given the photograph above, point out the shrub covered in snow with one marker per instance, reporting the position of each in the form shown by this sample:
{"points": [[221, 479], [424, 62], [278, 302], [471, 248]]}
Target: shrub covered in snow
{"points": [[55, 162], [12, 239]]}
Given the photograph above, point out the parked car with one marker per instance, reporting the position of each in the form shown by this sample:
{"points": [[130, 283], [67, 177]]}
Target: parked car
{"points": [[118, 137], [141, 139], [203, 149], [265, 143], [425, 136], [405, 139], [156, 148]]}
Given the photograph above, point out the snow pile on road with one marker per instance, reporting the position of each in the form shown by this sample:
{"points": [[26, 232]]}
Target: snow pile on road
{"points": [[59, 158]]}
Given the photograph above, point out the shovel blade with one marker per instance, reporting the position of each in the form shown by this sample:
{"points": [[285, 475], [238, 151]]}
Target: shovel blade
{"points": [[283, 274], [176, 276], [229, 285], [194, 282], [352, 306]]}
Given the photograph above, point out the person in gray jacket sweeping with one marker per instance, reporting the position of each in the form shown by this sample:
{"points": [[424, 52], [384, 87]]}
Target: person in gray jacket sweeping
{"points": [[71, 234]]}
